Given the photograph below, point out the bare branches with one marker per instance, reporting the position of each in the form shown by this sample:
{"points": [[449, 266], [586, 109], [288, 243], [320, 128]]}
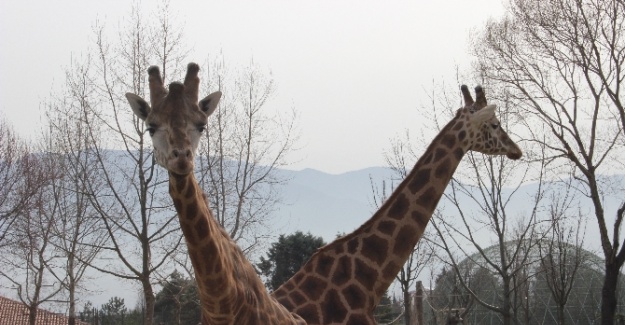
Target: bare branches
{"points": [[561, 253], [118, 193], [563, 61], [244, 145], [20, 178], [30, 262]]}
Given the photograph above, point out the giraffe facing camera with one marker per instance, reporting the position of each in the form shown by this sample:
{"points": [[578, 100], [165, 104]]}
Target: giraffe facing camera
{"points": [[230, 290]]}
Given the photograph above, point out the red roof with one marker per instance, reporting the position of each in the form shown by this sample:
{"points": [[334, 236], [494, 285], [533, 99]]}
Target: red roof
{"points": [[15, 313]]}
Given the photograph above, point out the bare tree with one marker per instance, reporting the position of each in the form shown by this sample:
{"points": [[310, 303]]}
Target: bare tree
{"points": [[77, 232], [449, 296], [561, 253], [247, 140], [563, 62], [125, 188], [28, 262], [18, 178], [184, 267]]}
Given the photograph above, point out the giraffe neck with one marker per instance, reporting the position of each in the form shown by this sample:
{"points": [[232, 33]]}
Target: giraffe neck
{"points": [[402, 219], [349, 276], [210, 249], [230, 290]]}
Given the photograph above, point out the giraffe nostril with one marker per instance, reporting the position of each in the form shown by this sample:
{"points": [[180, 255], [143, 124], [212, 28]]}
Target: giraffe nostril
{"points": [[181, 153]]}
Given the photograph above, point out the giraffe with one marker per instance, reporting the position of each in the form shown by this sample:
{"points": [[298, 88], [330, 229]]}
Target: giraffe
{"points": [[230, 290], [344, 280]]}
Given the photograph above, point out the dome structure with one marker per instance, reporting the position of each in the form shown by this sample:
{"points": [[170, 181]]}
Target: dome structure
{"points": [[534, 282]]}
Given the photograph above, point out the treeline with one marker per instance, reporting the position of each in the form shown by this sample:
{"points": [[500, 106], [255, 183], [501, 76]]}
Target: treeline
{"points": [[176, 303]]}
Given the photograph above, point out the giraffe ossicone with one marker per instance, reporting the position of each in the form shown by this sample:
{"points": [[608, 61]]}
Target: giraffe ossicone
{"points": [[230, 290], [343, 281]]}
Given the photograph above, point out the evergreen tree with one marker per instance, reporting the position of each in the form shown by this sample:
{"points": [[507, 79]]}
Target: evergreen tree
{"points": [[88, 313], [287, 256], [113, 312], [178, 302], [385, 312]]}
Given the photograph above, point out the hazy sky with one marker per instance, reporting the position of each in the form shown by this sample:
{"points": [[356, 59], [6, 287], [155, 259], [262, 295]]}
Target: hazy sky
{"points": [[356, 71]]}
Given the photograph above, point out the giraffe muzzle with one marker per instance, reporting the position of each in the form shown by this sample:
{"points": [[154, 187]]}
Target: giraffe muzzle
{"points": [[514, 155], [181, 153], [181, 161]]}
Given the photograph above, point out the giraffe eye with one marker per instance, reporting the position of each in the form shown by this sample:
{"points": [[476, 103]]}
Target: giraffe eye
{"points": [[201, 128], [151, 129], [495, 126]]}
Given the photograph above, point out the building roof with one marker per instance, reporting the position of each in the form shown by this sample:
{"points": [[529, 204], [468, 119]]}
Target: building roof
{"points": [[15, 313]]}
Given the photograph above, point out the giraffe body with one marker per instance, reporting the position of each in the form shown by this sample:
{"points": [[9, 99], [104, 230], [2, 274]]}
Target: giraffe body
{"points": [[343, 281], [230, 290]]}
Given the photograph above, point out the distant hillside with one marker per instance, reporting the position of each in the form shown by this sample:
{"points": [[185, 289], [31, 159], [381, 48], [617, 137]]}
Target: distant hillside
{"points": [[325, 204]]}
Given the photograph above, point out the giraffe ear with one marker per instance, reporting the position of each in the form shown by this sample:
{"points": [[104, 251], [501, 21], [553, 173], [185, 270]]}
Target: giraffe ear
{"points": [[140, 107], [484, 114], [209, 103]]}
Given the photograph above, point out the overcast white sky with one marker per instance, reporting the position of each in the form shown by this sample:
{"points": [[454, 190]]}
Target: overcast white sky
{"points": [[354, 70]]}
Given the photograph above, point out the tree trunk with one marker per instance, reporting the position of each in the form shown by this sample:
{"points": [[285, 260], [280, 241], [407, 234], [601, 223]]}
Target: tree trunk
{"points": [[608, 294], [32, 314], [71, 319], [407, 309], [561, 320], [418, 305], [148, 295], [507, 305], [178, 307]]}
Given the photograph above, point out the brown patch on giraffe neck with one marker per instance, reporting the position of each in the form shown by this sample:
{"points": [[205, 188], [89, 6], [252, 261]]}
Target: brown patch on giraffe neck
{"points": [[334, 307], [375, 248], [184, 192], [387, 227], [449, 140], [365, 273], [177, 183], [441, 158], [314, 287], [399, 208], [343, 271], [325, 265], [419, 180], [444, 169]]}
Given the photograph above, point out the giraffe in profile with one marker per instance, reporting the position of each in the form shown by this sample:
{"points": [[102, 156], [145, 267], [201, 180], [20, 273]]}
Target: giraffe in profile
{"points": [[230, 290], [344, 281]]}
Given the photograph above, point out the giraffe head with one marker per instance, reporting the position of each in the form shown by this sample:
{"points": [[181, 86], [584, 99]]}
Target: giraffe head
{"points": [[174, 118], [484, 130]]}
